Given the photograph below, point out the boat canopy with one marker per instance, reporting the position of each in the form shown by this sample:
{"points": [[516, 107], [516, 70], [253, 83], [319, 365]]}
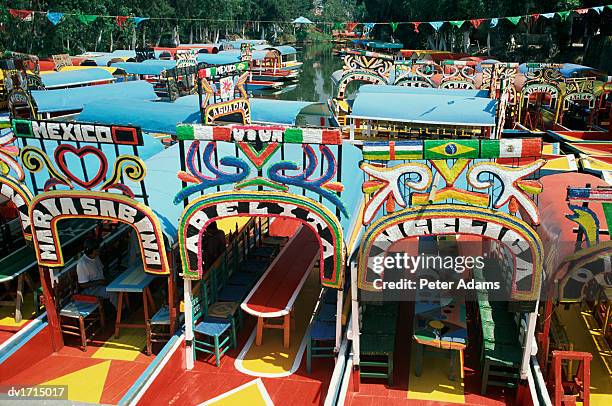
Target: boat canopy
{"points": [[67, 78], [383, 45], [556, 230], [432, 107], [422, 90], [163, 182], [148, 67], [283, 49], [103, 58], [262, 110], [49, 101], [151, 116], [220, 58]]}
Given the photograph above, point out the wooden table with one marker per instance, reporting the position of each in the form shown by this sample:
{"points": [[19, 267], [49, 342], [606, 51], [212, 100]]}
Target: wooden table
{"points": [[133, 280], [440, 323], [16, 265], [275, 293]]}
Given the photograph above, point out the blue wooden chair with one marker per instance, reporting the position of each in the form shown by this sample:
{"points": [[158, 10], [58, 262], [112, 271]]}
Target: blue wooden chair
{"points": [[218, 334], [322, 338]]}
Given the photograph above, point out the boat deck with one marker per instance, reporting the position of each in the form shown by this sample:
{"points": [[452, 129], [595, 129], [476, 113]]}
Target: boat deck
{"points": [[433, 387], [250, 373], [101, 374]]}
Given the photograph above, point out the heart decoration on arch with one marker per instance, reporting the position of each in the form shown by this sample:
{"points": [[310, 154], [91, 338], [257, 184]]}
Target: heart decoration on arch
{"points": [[60, 158]]}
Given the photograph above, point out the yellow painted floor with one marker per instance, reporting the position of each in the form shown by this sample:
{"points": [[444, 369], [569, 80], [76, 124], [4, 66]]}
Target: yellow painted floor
{"points": [[271, 358], [7, 313], [253, 393], [85, 385], [127, 347], [433, 384], [585, 335]]}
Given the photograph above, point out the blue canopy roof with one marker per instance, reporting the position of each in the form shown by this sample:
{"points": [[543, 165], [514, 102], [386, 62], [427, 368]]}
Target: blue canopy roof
{"points": [[148, 67], [383, 45], [75, 77], [163, 184], [48, 101], [422, 90], [283, 49], [426, 108], [220, 58], [262, 110], [102, 59], [154, 117]]}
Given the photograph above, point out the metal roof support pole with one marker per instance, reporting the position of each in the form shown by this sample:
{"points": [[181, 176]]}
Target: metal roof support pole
{"points": [[187, 300]]}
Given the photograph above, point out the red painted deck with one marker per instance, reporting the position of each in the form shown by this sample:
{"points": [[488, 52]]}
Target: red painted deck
{"points": [[35, 363], [377, 392], [175, 386]]}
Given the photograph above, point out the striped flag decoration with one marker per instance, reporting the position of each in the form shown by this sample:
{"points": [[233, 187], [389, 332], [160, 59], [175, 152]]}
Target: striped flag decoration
{"points": [[511, 148], [392, 150], [242, 133]]}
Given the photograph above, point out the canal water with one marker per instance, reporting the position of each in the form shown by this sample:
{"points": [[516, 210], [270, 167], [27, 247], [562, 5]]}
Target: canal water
{"points": [[314, 82]]}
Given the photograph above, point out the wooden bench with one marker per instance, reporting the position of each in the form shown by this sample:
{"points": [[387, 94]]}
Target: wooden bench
{"points": [[275, 293], [501, 351]]}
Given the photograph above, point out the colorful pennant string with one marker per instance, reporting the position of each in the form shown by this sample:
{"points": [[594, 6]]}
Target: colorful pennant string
{"points": [[436, 24], [121, 20], [87, 18], [476, 22], [514, 20], [55, 18]]}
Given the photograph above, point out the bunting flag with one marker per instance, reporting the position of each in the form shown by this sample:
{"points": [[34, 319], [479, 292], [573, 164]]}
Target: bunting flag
{"points": [[476, 22], [55, 18], [514, 20], [351, 26], [121, 20], [367, 28], [86, 18], [25, 15], [436, 24]]}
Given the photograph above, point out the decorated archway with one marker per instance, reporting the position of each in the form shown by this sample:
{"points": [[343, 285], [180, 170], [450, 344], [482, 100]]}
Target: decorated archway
{"points": [[439, 220], [50, 207], [202, 211], [358, 75]]}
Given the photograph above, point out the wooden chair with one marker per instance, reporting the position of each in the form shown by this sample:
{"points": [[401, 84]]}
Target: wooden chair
{"points": [[322, 339], [217, 334], [377, 341], [78, 314]]}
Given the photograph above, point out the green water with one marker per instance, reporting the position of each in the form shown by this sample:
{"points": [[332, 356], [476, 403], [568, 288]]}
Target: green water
{"points": [[314, 83]]}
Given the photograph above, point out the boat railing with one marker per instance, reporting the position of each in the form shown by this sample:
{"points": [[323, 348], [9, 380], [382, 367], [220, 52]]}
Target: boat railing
{"points": [[537, 384], [338, 385]]}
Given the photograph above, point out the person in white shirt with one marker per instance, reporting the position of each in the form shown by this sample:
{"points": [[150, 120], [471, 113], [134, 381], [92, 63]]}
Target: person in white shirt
{"points": [[90, 273]]}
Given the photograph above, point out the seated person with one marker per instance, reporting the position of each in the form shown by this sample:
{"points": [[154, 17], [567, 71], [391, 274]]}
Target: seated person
{"points": [[90, 273], [213, 244]]}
